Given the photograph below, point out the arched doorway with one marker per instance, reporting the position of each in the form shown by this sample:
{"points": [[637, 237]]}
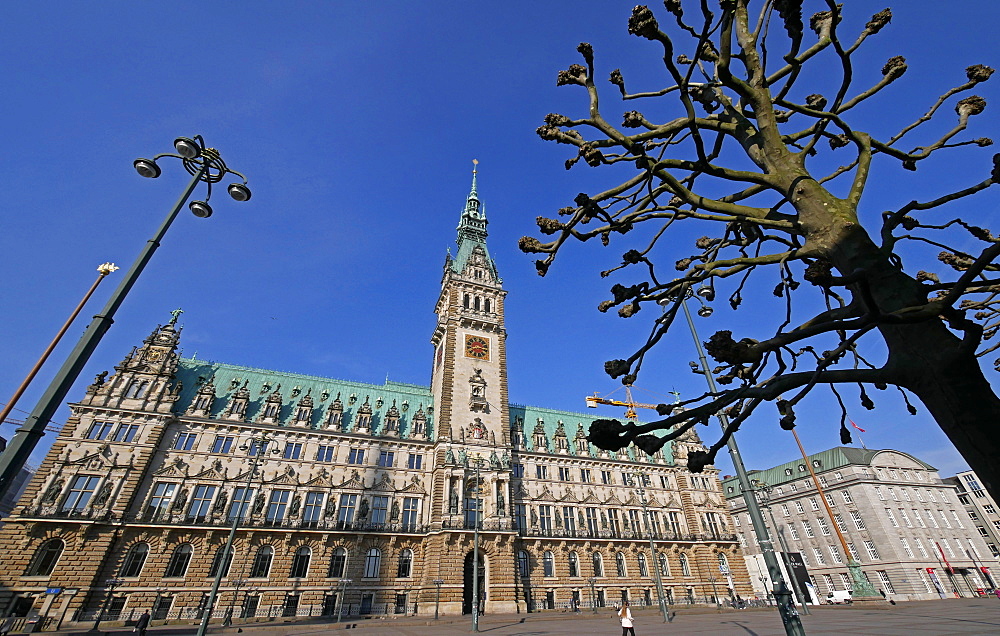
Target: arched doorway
{"points": [[467, 603]]}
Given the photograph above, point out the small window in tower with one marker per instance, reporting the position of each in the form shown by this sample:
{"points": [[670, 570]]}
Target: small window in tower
{"points": [[487, 307], [477, 303], [465, 301]]}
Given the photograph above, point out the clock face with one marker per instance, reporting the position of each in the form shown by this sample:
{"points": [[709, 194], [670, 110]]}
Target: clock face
{"points": [[477, 347]]}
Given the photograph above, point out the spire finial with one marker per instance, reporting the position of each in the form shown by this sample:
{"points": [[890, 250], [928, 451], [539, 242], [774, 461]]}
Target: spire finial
{"points": [[475, 169], [176, 314]]}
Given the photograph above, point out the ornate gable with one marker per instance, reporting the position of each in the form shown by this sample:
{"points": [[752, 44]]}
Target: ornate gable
{"points": [[176, 468], [414, 486], [354, 481], [383, 483], [215, 471], [321, 481], [286, 478]]}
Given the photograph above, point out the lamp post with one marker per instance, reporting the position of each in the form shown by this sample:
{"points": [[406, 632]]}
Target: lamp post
{"points": [[477, 460], [786, 608], [641, 491], [111, 584], [342, 585], [763, 493], [204, 165], [257, 446], [437, 598], [593, 594]]}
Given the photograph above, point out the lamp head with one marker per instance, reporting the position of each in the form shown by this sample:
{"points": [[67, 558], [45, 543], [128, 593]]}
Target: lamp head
{"points": [[187, 148], [706, 292], [705, 311], [239, 192], [146, 168], [200, 209]]}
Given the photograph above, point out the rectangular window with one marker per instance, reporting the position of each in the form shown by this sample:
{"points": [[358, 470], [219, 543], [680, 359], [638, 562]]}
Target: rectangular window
{"points": [[411, 506], [185, 441], [223, 444], [906, 547], [293, 450], [859, 523], [839, 520], [520, 517], [241, 502], [278, 504], [564, 474], [607, 477], [892, 494], [822, 481], [906, 518], [920, 520], [930, 517], [633, 520], [627, 479], [473, 506], [813, 503], [415, 461], [664, 481], [906, 495], [944, 518], [257, 448], [517, 470], [385, 458], [930, 495], [347, 505], [829, 500], [824, 527], [201, 501], [158, 503], [886, 583], [674, 519], [541, 472], [947, 548], [356, 456], [839, 476], [835, 553], [569, 520], [545, 518], [380, 510], [879, 493], [872, 550], [989, 509], [920, 547], [792, 531], [313, 508], [920, 495], [853, 549], [892, 519], [807, 527], [592, 521], [99, 430], [585, 475], [613, 521], [784, 510], [820, 559], [847, 497], [799, 508], [325, 453], [125, 433]]}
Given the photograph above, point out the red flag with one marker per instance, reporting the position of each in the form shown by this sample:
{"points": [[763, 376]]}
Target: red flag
{"points": [[856, 426]]}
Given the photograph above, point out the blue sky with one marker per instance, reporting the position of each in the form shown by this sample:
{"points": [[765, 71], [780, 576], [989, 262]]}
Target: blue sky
{"points": [[356, 124]]}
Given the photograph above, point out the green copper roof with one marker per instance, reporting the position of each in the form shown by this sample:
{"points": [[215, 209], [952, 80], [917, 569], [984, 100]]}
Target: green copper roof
{"points": [[836, 457], [551, 418], [228, 378], [472, 234]]}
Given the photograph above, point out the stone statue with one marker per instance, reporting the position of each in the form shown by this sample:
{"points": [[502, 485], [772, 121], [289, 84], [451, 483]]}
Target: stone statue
{"points": [[501, 504], [181, 500], [449, 457], [52, 494], [494, 460], [101, 377], [604, 521], [534, 518], [331, 508], [453, 500], [363, 509], [583, 522], [258, 504], [462, 458], [220, 503], [293, 510], [394, 515], [505, 459]]}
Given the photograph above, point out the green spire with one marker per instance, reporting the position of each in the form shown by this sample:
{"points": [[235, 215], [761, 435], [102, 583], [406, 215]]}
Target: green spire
{"points": [[472, 230]]}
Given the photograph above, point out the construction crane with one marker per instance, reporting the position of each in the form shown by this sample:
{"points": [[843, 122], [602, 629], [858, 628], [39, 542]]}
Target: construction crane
{"points": [[630, 404]]}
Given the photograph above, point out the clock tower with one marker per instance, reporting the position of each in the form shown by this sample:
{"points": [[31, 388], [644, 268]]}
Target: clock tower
{"points": [[469, 376]]}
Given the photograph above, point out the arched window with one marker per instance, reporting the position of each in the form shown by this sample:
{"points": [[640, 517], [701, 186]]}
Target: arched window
{"points": [[135, 559], [223, 559], [338, 562], [373, 563], [45, 558], [574, 564], [685, 568], [598, 564], [620, 563], [664, 565], [643, 569], [523, 564], [179, 561], [300, 563], [405, 568], [549, 563], [723, 562], [261, 566]]}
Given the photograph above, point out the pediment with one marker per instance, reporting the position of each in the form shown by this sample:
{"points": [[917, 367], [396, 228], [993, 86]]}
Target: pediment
{"points": [[591, 498], [286, 478], [545, 495], [613, 500], [176, 468], [215, 471], [98, 460], [354, 481], [321, 481], [520, 492], [414, 486], [570, 496], [384, 483]]}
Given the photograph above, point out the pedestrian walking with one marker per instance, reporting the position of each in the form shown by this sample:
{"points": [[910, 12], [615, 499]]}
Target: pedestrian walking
{"points": [[142, 624], [625, 615]]}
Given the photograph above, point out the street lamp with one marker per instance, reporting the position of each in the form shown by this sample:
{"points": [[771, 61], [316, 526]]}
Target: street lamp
{"points": [[477, 460], [111, 584], [593, 594], [437, 598], [763, 494], [641, 491], [786, 608], [204, 165], [257, 446], [342, 585]]}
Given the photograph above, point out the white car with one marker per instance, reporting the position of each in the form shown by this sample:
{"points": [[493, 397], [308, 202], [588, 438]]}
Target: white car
{"points": [[838, 597]]}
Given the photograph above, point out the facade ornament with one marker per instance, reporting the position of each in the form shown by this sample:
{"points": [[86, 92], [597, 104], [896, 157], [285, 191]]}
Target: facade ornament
{"points": [[52, 494], [394, 515]]}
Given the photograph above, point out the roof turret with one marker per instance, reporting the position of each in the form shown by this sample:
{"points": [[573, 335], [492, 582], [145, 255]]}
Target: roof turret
{"points": [[472, 233]]}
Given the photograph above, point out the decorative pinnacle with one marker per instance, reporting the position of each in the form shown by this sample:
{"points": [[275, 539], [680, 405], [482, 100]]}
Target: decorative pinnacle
{"points": [[106, 268], [475, 169], [176, 314]]}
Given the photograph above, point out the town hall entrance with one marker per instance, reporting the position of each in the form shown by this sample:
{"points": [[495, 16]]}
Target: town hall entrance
{"points": [[467, 602]]}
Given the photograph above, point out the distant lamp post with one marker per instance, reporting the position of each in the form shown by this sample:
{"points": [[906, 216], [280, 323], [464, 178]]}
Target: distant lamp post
{"points": [[342, 585], [641, 491], [593, 594], [204, 165], [763, 494], [256, 446], [437, 598], [111, 584]]}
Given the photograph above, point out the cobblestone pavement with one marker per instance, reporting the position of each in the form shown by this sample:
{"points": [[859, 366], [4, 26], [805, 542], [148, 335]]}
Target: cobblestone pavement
{"points": [[915, 618]]}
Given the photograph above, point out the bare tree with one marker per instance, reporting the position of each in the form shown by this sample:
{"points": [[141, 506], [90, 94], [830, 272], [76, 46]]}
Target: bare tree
{"points": [[793, 208]]}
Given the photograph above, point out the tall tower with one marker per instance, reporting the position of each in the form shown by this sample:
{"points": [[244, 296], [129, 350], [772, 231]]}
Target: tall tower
{"points": [[469, 378]]}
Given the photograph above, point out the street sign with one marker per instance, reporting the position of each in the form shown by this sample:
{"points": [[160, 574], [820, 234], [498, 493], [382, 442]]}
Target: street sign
{"points": [[723, 568], [53, 590]]}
